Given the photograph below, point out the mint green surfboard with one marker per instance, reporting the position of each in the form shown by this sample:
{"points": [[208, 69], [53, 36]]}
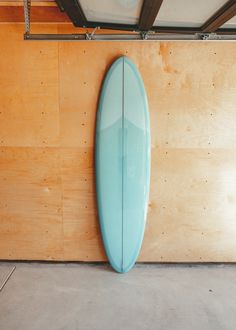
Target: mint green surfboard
{"points": [[122, 159]]}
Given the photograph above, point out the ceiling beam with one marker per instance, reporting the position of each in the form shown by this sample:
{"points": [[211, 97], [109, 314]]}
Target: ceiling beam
{"points": [[149, 13], [225, 13], [74, 11]]}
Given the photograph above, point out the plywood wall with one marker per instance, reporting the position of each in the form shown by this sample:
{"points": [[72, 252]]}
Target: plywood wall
{"points": [[48, 99]]}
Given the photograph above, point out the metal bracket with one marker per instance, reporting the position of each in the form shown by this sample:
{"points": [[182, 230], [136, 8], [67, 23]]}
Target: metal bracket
{"points": [[27, 7], [208, 36], [90, 36], [144, 35]]}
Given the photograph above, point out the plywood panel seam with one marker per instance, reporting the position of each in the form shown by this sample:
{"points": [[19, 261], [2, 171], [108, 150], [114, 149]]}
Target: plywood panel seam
{"points": [[61, 160]]}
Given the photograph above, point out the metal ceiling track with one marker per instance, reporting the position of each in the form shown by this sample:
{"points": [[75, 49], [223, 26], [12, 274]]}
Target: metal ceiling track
{"points": [[127, 37], [143, 31]]}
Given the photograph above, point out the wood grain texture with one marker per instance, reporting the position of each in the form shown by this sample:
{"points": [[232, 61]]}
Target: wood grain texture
{"points": [[30, 203], [81, 227], [41, 12], [44, 3], [191, 214], [29, 114], [191, 89]]}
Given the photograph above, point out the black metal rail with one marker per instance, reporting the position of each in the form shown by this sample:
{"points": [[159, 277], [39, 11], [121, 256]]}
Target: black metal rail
{"points": [[126, 37]]}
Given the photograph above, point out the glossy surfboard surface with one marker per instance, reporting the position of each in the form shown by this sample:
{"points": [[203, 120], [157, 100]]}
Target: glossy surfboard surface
{"points": [[122, 159]]}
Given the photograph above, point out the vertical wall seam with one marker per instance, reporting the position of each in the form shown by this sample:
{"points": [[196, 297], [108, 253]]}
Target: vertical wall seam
{"points": [[122, 237], [60, 156]]}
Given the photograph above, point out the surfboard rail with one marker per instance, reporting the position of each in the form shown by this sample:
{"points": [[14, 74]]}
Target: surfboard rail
{"points": [[122, 161]]}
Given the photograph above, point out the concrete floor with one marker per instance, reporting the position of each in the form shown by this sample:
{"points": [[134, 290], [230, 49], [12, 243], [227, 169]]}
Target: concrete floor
{"points": [[78, 296]]}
